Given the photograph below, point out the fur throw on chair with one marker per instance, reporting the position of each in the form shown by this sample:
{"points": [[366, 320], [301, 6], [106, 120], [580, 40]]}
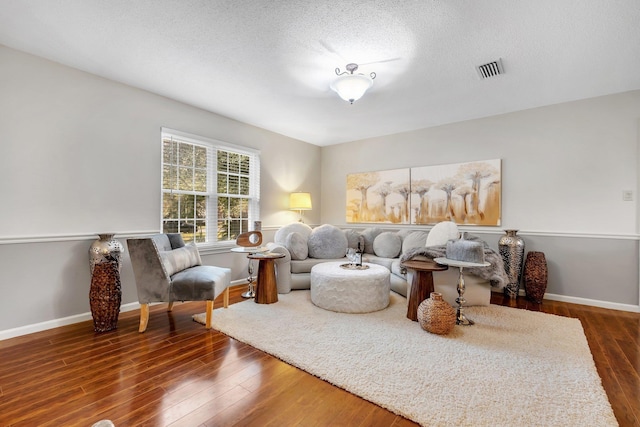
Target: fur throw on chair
{"points": [[494, 273]]}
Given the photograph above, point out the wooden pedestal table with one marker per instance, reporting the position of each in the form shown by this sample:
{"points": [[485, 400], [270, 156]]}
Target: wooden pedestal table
{"points": [[461, 319], [249, 250], [267, 288], [422, 284]]}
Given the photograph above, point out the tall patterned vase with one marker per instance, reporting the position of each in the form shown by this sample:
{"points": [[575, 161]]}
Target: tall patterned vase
{"points": [[105, 294], [535, 276], [511, 247]]}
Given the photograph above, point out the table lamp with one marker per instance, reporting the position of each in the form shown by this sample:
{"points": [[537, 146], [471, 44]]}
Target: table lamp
{"points": [[300, 202]]}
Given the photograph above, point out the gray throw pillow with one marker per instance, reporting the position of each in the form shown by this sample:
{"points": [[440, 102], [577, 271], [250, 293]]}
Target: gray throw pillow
{"points": [[180, 259], [327, 241], [387, 245], [283, 232], [353, 238], [416, 239], [370, 235], [404, 233], [296, 243]]}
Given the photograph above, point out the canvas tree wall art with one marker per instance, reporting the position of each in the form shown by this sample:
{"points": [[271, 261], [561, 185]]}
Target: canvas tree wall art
{"points": [[465, 193], [379, 197]]}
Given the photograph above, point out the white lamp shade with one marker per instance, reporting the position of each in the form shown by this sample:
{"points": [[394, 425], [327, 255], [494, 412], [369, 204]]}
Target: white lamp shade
{"points": [[300, 201], [351, 87]]}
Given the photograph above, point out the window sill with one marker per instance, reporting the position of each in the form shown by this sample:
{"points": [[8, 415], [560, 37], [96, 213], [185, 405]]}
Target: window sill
{"points": [[215, 248]]}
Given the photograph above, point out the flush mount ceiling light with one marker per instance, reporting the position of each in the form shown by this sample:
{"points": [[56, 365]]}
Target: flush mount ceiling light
{"points": [[350, 86]]}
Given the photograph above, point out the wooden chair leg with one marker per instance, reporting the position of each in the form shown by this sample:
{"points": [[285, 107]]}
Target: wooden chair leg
{"points": [[225, 298], [209, 314], [144, 317], [170, 306]]}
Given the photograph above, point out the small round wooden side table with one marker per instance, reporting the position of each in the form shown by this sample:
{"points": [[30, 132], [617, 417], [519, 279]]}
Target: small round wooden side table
{"points": [[267, 287], [249, 250], [422, 284]]}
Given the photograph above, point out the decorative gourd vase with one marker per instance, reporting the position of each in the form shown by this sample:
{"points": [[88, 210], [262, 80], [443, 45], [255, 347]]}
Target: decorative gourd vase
{"points": [[105, 294], [511, 247], [435, 315], [535, 276]]}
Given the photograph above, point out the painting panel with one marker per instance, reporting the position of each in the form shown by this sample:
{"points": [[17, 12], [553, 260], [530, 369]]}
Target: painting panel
{"points": [[465, 193], [379, 197]]}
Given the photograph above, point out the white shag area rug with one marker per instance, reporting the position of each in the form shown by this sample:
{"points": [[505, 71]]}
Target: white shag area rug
{"points": [[513, 367]]}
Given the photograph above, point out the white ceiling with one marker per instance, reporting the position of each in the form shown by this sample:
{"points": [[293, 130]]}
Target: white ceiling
{"points": [[270, 63]]}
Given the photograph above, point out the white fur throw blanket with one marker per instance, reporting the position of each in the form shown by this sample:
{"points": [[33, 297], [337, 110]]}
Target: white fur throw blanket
{"points": [[494, 273]]}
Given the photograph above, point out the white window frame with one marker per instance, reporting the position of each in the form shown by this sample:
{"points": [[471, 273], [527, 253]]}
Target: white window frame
{"points": [[213, 146]]}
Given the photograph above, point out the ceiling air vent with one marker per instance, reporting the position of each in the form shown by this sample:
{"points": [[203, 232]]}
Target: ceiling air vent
{"points": [[490, 69]]}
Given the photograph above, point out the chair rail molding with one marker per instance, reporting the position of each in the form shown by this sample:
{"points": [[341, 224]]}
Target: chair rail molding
{"points": [[500, 231], [48, 238]]}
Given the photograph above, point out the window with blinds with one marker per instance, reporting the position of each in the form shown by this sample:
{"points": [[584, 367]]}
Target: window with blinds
{"points": [[210, 190]]}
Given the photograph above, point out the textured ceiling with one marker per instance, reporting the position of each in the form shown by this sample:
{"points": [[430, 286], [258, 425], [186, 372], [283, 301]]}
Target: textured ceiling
{"points": [[270, 63]]}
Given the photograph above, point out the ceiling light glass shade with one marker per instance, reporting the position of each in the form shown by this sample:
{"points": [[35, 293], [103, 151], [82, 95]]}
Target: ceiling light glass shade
{"points": [[351, 87], [300, 201]]}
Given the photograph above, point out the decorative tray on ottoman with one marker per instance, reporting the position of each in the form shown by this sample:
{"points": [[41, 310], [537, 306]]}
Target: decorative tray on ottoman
{"points": [[354, 267]]}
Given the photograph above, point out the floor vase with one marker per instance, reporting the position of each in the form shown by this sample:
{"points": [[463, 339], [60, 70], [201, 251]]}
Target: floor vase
{"points": [[435, 315], [535, 276], [511, 248], [105, 294]]}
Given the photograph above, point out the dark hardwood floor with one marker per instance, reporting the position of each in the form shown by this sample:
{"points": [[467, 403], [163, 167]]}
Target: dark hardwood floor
{"points": [[179, 374]]}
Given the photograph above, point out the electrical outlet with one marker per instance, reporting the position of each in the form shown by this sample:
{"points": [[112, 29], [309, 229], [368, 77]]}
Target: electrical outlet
{"points": [[627, 195]]}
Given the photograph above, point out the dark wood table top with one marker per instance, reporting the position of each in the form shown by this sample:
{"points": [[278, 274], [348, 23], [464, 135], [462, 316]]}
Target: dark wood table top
{"points": [[265, 255], [423, 265]]}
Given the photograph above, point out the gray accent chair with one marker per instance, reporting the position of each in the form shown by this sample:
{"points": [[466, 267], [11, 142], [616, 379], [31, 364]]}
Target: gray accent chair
{"points": [[167, 270]]}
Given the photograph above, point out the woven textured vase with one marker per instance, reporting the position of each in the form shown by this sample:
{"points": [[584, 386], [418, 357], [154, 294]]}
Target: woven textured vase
{"points": [[535, 276], [105, 294], [436, 315]]}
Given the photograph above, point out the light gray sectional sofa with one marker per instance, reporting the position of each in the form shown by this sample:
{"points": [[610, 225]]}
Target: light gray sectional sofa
{"points": [[305, 247]]}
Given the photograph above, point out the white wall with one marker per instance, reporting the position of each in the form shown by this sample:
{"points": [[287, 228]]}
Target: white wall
{"points": [[564, 168], [80, 156]]}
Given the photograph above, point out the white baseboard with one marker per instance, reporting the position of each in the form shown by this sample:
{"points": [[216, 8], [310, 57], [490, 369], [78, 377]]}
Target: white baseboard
{"points": [[77, 318], [582, 301], [594, 303], [55, 323]]}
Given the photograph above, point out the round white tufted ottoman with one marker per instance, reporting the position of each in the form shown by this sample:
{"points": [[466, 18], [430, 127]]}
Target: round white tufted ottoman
{"points": [[349, 291]]}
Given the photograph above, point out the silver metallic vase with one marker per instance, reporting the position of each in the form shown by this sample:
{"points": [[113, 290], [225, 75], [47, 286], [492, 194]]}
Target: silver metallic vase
{"points": [[105, 249], [511, 247]]}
